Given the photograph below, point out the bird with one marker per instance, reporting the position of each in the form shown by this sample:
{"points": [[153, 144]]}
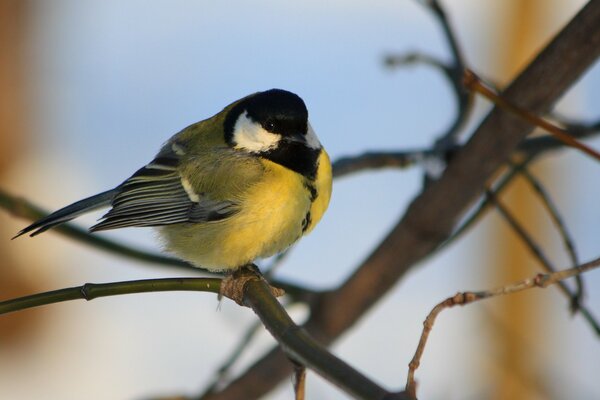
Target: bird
{"points": [[244, 184]]}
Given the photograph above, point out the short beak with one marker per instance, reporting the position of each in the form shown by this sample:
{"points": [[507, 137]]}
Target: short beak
{"points": [[296, 137]]}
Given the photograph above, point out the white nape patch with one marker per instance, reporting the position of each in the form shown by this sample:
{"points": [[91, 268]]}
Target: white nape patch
{"points": [[311, 138], [189, 190], [251, 136], [177, 149]]}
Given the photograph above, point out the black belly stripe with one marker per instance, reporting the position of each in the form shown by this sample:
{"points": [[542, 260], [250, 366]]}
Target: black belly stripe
{"points": [[306, 222], [312, 190]]}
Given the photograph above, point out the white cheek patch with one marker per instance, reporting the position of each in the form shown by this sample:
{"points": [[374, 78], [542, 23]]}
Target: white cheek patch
{"points": [[311, 138], [251, 136]]}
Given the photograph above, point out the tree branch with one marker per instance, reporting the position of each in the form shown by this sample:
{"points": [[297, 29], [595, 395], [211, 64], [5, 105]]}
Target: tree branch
{"points": [[90, 291], [257, 295]]}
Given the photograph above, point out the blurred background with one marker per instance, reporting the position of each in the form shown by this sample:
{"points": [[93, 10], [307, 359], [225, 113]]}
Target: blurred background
{"points": [[89, 90]]}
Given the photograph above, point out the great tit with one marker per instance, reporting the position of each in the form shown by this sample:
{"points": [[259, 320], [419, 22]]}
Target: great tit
{"points": [[241, 185]]}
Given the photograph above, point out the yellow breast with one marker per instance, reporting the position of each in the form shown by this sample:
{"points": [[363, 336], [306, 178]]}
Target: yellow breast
{"points": [[275, 212]]}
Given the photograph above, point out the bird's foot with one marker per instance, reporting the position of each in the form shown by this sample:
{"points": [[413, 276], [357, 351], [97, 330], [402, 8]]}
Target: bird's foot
{"points": [[234, 284]]}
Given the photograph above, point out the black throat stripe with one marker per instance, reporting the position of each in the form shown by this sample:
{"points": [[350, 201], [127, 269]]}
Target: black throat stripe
{"points": [[295, 156]]}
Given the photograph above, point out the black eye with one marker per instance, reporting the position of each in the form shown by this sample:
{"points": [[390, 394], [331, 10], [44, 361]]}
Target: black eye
{"points": [[270, 125]]}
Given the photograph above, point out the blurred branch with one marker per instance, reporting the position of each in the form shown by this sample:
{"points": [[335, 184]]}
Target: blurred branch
{"points": [[453, 73], [447, 142], [472, 82], [376, 160], [484, 204], [539, 255], [539, 281], [299, 381], [534, 146], [224, 370], [440, 14], [432, 216], [558, 222], [528, 148]]}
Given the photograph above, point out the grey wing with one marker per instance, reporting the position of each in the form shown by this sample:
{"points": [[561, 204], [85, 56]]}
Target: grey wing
{"points": [[155, 196]]}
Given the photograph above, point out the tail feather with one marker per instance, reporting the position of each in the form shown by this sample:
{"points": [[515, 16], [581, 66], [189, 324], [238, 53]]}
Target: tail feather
{"points": [[69, 212]]}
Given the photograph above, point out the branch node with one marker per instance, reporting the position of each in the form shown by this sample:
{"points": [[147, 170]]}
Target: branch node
{"points": [[542, 280], [86, 291]]}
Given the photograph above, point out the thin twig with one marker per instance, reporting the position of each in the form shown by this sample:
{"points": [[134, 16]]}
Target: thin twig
{"points": [[376, 160], [299, 381], [484, 204], [472, 82], [453, 72], [539, 280], [536, 145], [90, 291], [449, 34], [558, 222], [277, 261], [224, 370], [447, 142], [542, 259]]}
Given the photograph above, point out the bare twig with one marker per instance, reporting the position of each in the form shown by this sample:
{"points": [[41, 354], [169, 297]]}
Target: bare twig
{"points": [[376, 160], [542, 259], [90, 291], [472, 82], [299, 381], [453, 72], [535, 146], [440, 13], [447, 143], [539, 280], [558, 222], [486, 201], [224, 370]]}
